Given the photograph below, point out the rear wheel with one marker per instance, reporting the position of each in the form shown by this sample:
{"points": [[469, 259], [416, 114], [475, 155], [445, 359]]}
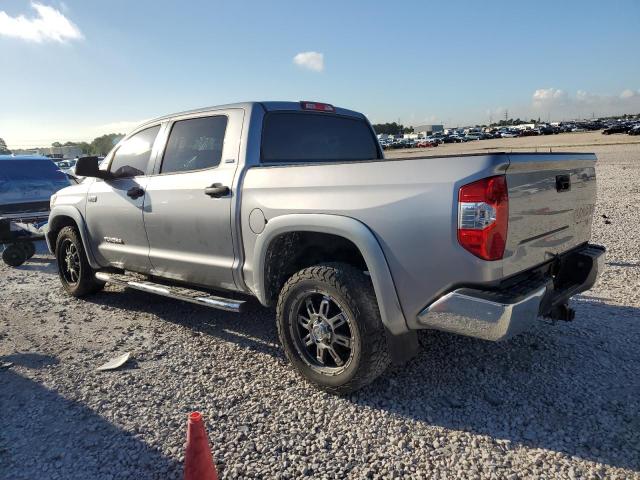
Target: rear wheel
{"points": [[330, 327], [14, 255], [76, 275]]}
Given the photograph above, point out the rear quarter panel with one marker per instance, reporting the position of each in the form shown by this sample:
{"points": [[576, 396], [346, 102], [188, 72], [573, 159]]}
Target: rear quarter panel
{"points": [[410, 205]]}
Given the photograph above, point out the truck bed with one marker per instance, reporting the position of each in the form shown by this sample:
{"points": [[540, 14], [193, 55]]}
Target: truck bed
{"points": [[410, 204]]}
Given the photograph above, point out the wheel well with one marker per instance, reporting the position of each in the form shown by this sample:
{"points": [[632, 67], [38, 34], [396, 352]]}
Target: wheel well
{"points": [[55, 226], [293, 251]]}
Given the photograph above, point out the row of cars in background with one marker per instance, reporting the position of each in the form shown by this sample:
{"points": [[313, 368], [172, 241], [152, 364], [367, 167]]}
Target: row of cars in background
{"points": [[631, 127]]}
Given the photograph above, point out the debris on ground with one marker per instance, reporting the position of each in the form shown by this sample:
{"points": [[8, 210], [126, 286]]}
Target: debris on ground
{"points": [[115, 363]]}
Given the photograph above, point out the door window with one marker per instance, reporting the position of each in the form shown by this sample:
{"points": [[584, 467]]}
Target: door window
{"points": [[194, 144], [132, 157]]}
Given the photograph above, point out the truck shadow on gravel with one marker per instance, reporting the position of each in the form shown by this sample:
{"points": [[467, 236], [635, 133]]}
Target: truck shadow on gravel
{"points": [[254, 329], [45, 435], [570, 388]]}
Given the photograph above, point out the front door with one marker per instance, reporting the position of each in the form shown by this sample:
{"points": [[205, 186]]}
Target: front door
{"points": [[187, 209], [114, 207]]}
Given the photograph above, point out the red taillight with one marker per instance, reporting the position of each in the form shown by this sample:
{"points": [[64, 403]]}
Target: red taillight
{"points": [[318, 107], [483, 216]]}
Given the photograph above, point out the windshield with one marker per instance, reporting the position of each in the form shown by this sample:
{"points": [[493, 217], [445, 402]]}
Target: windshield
{"points": [[316, 137], [29, 180]]}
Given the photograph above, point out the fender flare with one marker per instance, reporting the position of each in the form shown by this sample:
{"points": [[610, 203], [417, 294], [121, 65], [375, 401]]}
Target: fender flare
{"points": [[351, 229], [76, 216]]}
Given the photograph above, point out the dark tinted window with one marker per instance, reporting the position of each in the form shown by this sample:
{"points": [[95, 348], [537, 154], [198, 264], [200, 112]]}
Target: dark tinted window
{"points": [[133, 155], [308, 137], [194, 144]]}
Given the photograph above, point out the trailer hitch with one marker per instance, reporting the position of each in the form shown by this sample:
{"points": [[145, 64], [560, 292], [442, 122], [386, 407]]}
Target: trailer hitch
{"points": [[562, 312]]}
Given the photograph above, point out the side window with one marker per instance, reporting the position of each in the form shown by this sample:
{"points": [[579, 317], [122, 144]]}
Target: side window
{"points": [[194, 144], [132, 157]]}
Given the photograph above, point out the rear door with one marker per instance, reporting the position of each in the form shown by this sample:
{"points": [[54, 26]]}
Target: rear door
{"points": [[114, 207], [187, 213]]}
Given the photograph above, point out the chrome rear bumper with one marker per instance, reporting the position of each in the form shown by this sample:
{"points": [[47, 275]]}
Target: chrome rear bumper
{"points": [[499, 315]]}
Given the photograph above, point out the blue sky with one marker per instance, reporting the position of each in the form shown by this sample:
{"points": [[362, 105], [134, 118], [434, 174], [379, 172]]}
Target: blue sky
{"points": [[76, 69]]}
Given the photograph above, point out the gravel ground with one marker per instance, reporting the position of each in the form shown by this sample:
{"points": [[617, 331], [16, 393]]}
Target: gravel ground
{"points": [[561, 401]]}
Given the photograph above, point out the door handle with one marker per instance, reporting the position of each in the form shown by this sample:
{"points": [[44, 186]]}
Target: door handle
{"points": [[217, 190], [135, 192]]}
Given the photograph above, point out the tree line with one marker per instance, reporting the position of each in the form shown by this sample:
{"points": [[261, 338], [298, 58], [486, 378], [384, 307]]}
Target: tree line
{"points": [[391, 128], [99, 146], [3, 148]]}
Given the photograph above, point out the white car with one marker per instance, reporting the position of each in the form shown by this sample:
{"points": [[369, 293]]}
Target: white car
{"points": [[508, 135]]}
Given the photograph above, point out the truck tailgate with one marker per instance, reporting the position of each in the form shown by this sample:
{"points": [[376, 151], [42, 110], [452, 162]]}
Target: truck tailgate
{"points": [[551, 203]]}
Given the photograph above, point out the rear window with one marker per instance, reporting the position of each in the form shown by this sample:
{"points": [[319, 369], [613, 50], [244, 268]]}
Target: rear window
{"points": [[312, 137]]}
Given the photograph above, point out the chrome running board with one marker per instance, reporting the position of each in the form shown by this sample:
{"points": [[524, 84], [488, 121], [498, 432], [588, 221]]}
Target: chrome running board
{"points": [[179, 293]]}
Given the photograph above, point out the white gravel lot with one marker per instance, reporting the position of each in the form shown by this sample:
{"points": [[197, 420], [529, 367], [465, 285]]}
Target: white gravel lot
{"points": [[561, 401]]}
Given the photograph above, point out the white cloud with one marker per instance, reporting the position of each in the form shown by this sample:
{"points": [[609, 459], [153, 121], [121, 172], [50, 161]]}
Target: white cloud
{"points": [[628, 93], [313, 61], [545, 96], [49, 25], [562, 105]]}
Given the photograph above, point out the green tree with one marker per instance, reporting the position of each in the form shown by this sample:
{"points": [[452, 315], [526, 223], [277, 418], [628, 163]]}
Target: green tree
{"points": [[4, 150], [391, 128], [102, 145], [56, 144], [85, 147]]}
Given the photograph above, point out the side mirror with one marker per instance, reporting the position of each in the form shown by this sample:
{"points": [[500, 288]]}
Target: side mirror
{"points": [[89, 167]]}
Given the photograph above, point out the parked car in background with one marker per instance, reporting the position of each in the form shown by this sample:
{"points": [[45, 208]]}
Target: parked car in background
{"points": [[529, 132], [472, 136], [635, 130], [426, 143], [451, 139], [620, 128], [26, 185], [508, 134]]}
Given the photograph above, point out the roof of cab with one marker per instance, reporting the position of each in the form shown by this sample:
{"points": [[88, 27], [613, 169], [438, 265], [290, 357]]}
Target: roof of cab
{"points": [[269, 106]]}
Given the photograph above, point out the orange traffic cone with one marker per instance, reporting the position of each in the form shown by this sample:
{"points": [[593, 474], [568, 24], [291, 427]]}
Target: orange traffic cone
{"points": [[198, 462]]}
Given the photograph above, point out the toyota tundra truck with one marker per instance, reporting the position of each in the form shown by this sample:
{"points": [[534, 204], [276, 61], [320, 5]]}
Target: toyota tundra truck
{"points": [[294, 204]]}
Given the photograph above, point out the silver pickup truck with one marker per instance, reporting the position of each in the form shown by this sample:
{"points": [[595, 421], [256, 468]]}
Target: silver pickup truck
{"points": [[293, 203]]}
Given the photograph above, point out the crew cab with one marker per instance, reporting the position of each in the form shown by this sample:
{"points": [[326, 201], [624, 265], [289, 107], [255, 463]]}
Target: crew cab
{"points": [[294, 204]]}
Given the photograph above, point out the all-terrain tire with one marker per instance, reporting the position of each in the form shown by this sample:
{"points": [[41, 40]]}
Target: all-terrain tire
{"points": [[353, 291], [14, 255], [84, 282]]}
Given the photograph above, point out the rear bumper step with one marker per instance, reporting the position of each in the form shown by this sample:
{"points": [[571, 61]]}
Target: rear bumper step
{"points": [[499, 315], [179, 293]]}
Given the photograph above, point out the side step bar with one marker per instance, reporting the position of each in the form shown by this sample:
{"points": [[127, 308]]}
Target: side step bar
{"points": [[179, 293]]}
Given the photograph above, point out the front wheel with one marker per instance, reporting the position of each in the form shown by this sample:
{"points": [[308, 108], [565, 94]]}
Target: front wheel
{"points": [[330, 327], [76, 275]]}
